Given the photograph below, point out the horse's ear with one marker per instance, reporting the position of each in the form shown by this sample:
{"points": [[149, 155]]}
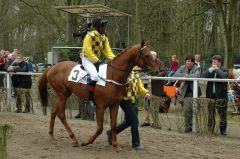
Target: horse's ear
{"points": [[142, 43], [147, 43]]}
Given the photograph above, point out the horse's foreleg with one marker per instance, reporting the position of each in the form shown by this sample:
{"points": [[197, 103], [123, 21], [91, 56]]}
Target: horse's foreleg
{"points": [[62, 117], [54, 113], [99, 117], [113, 116]]}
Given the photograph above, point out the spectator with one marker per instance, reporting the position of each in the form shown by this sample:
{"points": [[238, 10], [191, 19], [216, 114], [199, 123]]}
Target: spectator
{"points": [[236, 88], [157, 90], [197, 58], [15, 53], [173, 68], [6, 53], [189, 70], [30, 65], [218, 92], [197, 62], [130, 107], [2, 67], [22, 82], [9, 60]]}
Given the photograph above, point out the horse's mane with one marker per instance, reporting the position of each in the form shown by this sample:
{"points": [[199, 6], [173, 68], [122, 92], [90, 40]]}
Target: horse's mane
{"points": [[123, 51]]}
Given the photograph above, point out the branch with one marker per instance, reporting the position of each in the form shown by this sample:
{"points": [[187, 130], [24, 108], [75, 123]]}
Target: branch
{"points": [[49, 18], [193, 15], [209, 2], [31, 6]]}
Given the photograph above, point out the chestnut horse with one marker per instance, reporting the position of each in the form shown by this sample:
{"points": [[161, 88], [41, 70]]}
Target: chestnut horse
{"points": [[110, 95]]}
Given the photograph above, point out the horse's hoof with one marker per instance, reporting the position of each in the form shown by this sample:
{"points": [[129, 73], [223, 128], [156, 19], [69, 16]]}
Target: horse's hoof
{"points": [[84, 144], [51, 137], [75, 144], [117, 148]]}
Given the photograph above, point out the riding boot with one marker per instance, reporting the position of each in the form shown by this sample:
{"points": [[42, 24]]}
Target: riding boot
{"points": [[91, 88]]}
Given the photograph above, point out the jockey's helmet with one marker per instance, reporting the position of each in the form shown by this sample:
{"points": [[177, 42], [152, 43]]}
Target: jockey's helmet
{"points": [[99, 21]]}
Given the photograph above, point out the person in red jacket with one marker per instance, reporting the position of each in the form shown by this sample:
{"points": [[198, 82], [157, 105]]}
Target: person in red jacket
{"points": [[2, 66], [173, 68]]}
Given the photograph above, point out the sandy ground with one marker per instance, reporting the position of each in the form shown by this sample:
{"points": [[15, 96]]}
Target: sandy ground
{"points": [[28, 139]]}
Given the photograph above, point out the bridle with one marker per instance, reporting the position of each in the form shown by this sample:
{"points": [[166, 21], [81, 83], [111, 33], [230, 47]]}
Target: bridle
{"points": [[140, 56]]}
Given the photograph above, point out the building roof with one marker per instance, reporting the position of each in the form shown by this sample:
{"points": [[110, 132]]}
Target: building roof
{"points": [[89, 11]]}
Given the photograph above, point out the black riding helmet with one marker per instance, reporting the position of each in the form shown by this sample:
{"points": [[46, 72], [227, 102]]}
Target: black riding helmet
{"points": [[99, 21]]}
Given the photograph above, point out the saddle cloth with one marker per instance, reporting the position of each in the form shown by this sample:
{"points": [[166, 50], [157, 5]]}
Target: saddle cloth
{"points": [[78, 75]]}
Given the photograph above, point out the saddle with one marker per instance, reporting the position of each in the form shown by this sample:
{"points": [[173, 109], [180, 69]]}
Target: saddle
{"points": [[79, 75]]}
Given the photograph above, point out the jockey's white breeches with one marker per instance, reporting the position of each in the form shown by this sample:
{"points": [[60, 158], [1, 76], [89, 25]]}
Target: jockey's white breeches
{"points": [[90, 68]]}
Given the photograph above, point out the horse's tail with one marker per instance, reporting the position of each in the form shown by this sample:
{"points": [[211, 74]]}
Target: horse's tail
{"points": [[42, 88]]}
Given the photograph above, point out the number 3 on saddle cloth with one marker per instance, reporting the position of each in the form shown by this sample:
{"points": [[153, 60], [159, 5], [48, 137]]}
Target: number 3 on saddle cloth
{"points": [[79, 75]]}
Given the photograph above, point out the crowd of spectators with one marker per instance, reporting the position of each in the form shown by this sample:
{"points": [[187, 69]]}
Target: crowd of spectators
{"points": [[215, 91], [20, 84]]}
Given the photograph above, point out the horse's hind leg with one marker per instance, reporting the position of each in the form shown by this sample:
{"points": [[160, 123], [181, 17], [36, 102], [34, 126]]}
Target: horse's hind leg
{"points": [[54, 113], [113, 116], [62, 117], [99, 117]]}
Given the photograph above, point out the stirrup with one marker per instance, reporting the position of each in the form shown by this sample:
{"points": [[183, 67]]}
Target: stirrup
{"points": [[92, 103]]}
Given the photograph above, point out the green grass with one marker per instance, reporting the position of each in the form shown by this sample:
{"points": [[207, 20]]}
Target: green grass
{"points": [[4, 128], [233, 118]]}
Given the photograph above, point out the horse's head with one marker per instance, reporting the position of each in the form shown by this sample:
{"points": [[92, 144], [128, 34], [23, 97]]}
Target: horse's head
{"points": [[145, 59]]}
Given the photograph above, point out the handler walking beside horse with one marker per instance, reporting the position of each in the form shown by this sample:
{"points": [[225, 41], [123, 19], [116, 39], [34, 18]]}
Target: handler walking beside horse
{"points": [[130, 108]]}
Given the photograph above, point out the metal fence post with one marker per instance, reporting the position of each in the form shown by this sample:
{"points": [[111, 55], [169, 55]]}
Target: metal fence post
{"points": [[194, 103], [8, 92]]}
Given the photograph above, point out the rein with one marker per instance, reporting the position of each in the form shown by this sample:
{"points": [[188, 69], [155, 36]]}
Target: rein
{"points": [[127, 70], [114, 82], [110, 64]]}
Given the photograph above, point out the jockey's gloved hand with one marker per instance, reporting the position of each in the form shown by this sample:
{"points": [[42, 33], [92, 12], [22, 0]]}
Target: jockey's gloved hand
{"points": [[96, 64]]}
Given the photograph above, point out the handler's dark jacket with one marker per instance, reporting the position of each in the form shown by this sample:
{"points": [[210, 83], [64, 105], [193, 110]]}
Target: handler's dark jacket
{"points": [[21, 81], [221, 87]]}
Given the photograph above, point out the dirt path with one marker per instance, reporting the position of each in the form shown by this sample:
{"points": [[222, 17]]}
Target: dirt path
{"points": [[28, 139]]}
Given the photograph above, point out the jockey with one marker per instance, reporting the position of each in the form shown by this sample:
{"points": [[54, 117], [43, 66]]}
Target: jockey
{"points": [[94, 44]]}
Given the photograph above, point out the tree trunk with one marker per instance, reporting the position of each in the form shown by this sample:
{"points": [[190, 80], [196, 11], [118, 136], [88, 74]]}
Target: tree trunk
{"points": [[137, 30], [226, 25], [221, 15]]}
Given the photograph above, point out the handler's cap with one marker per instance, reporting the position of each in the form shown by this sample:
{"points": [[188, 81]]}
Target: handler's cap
{"points": [[154, 53]]}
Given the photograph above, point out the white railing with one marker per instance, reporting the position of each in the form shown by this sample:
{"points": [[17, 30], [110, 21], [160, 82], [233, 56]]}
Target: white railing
{"points": [[195, 80]]}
